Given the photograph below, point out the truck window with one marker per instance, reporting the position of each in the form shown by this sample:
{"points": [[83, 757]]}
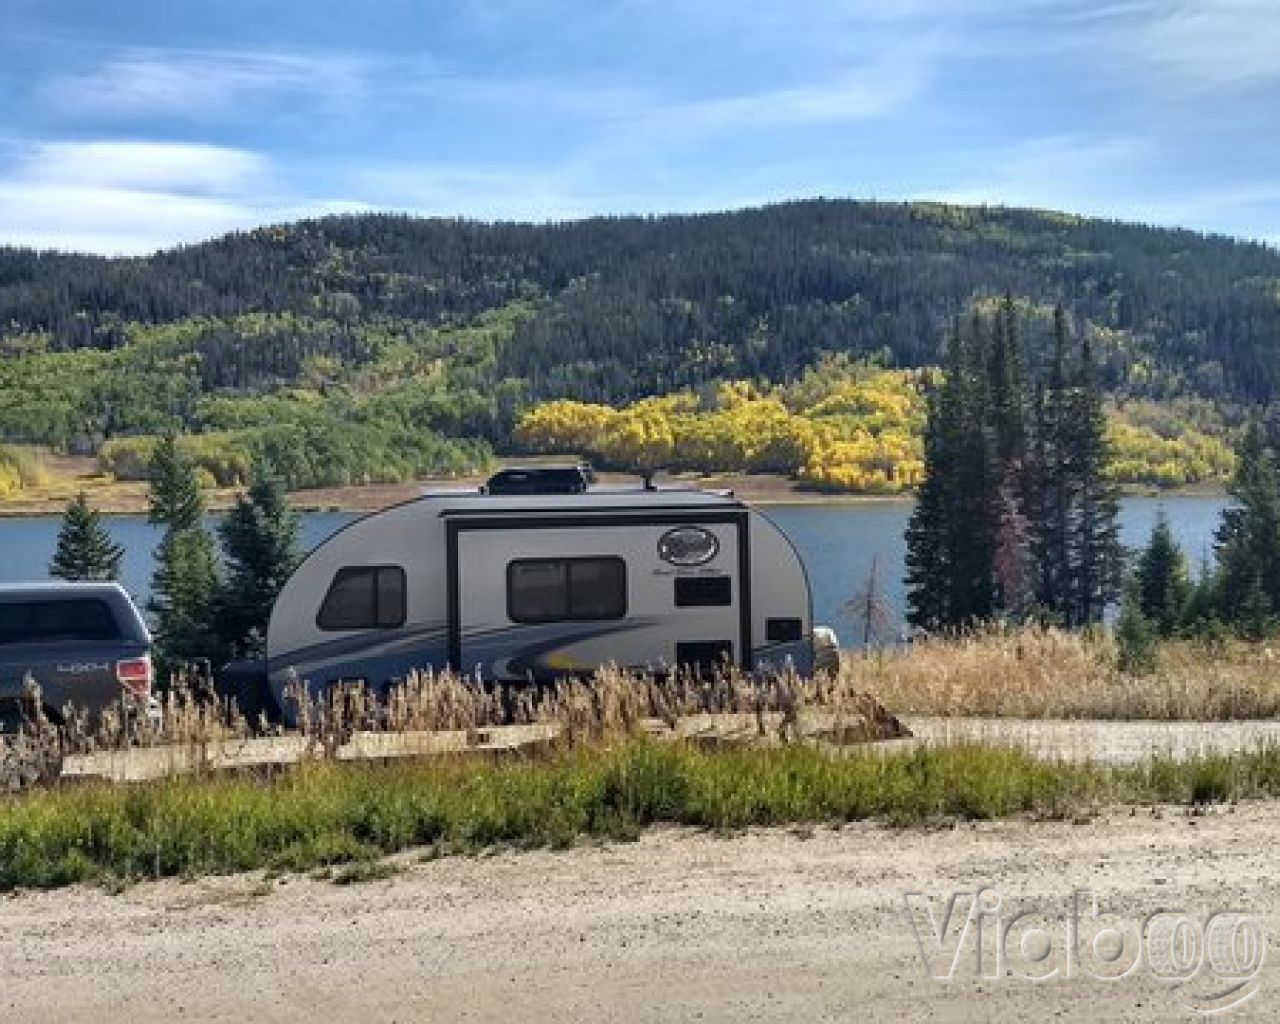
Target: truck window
{"points": [[566, 589], [364, 597], [79, 620]]}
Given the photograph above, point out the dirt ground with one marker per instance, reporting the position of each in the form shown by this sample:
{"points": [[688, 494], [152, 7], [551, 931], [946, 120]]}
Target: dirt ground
{"points": [[681, 926], [1100, 741]]}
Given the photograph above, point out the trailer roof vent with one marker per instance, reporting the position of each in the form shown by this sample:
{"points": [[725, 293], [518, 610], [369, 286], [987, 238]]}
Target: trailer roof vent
{"points": [[571, 479]]}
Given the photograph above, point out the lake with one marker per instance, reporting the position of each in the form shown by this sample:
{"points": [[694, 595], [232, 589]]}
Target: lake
{"points": [[836, 541]]}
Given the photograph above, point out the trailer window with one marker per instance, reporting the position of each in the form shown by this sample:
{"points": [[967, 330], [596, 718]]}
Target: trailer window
{"points": [[703, 591], [364, 597], [560, 589]]}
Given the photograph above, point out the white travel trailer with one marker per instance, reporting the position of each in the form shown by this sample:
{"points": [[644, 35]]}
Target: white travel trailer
{"points": [[515, 584]]}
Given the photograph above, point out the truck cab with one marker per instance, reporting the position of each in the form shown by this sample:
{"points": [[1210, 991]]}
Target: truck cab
{"points": [[81, 643]]}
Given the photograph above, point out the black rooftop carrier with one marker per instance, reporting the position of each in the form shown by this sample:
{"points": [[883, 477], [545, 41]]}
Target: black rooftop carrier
{"points": [[567, 479]]}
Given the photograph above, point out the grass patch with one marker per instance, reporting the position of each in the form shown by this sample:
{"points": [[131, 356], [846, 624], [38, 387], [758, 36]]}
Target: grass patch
{"points": [[1051, 673], [328, 814]]}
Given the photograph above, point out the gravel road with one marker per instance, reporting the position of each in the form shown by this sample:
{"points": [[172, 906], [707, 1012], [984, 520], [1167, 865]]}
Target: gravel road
{"points": [[681, 926]]}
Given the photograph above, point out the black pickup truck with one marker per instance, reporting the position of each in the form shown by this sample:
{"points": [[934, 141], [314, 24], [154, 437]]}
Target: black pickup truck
{"points": [[82, 643]]}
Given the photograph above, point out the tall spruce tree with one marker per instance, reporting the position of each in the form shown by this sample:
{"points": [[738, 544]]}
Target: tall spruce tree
{"points": [[1248, 541], [260, 548], [1052, 484], [1096, 555], [1014, 515], [953, 535], [1162, 587], [927, 536], [1008, 397], [1007, 414], [85, 551], [185, 582]]}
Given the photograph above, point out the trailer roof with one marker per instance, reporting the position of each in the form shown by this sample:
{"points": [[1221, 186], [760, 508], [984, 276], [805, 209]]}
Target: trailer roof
{"points": [[596, 497]]}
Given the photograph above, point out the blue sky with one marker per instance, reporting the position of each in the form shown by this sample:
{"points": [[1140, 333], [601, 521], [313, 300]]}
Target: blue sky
{"points": [[143, 123]]}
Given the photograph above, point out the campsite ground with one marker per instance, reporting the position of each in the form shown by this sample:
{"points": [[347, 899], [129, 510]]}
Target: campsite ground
{"points": [[772, 925]]}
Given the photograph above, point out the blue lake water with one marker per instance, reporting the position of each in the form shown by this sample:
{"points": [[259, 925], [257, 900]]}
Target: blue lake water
{"points": [[836, 542]]}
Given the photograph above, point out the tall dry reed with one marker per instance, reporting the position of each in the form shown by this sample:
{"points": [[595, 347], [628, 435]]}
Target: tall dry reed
{"points": [[1049, 673]]}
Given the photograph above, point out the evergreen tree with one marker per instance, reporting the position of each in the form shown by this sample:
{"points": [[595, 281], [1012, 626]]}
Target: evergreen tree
{"points": [[1052, 490], [85, 550], [185, 583], [927, 558], [260, 548], [1007, 413], [1010, 518], [1248, 541], [1135, 637], [174, 499], [954, 532], [1096, 555], [1162, 587], [1007, 389]]}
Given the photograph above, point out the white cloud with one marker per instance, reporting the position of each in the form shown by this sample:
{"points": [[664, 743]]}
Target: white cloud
{"points": [[1216, 43], [872, 91], [199, 82], [118, 197], [190, 168]]}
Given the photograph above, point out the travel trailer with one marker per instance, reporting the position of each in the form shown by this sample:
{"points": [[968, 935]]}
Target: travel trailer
{"points": [[543, 574]]}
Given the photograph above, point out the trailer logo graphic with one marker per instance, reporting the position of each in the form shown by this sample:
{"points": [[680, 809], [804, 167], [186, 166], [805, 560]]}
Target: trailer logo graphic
{"points": [[1211, 964]]}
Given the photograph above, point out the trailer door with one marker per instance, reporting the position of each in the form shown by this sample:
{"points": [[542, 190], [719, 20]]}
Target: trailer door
{"points": [[549, 598]]}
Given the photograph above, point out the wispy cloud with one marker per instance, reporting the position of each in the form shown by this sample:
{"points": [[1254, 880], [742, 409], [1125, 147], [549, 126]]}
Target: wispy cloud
{"points": [[199, 82], [185, 168], [1209, 44], [871, 91], [122, 197]]}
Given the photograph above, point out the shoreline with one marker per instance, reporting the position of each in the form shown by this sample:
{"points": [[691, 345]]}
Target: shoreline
{"points": [[129, 498]]}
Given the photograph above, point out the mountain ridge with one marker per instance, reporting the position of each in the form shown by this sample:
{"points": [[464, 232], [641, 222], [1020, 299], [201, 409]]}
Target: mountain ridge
{"points": [[449, 329]]}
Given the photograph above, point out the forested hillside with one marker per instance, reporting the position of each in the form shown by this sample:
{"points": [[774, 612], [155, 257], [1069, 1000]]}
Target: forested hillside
{"points": [[384, 347]]}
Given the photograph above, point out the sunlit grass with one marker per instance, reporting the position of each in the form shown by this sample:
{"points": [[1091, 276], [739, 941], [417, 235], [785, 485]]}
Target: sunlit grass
{"points": [[323, 814]]}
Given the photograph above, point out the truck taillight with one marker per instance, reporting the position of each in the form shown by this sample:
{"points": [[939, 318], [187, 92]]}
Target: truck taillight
{"points": [[135, 675]]}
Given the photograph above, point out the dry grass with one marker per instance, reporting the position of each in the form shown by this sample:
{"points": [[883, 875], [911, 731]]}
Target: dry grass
{"points": [[782, 708], [1046, 673]]}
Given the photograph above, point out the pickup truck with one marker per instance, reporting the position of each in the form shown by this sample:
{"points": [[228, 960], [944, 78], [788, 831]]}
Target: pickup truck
{"points": [[82, 643]]}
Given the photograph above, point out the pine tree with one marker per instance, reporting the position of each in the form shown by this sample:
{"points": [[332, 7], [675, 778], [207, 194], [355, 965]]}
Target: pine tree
{"points": [[1052, 491], [1097, 558], [1248, 541], [260, 548], [1135, 637], [185, 583], [1007, 389], [174, 501], [1007, 412], [85, 550], [952, 537], [1161, 583], [927, 558]]}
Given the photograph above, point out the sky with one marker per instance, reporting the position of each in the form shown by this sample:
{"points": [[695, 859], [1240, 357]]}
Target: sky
{"points": [[140, 124]]}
